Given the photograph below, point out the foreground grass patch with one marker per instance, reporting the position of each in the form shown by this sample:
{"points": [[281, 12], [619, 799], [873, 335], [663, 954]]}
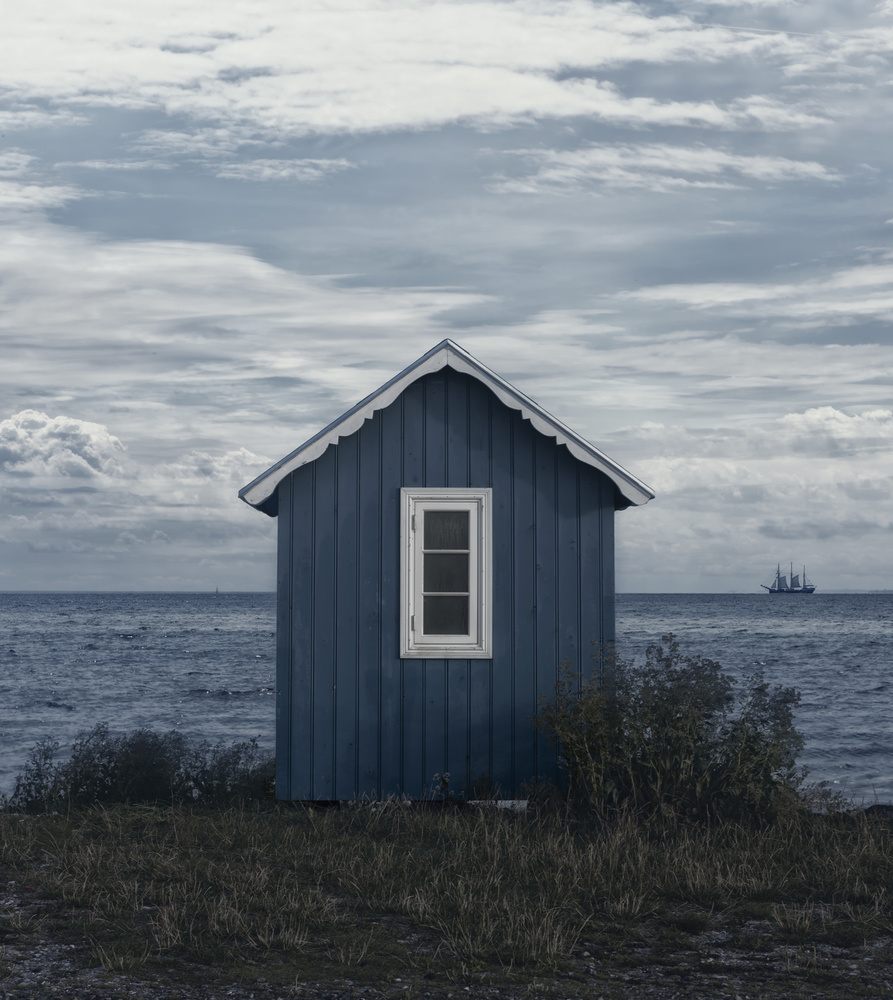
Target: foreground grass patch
{"points": [[370, 893]]}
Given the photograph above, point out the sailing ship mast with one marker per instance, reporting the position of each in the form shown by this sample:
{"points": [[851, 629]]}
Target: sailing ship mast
{"points": [[798, 584]]}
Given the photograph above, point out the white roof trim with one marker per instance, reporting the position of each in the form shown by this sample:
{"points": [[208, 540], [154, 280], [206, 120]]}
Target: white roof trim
{"points": [[258, 492]]}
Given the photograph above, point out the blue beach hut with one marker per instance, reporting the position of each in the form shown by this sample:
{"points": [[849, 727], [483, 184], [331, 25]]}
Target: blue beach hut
{"points": [[443, 546]]}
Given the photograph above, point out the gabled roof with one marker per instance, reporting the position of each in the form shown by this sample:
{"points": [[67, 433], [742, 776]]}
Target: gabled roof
{"points": [[261, 491]]}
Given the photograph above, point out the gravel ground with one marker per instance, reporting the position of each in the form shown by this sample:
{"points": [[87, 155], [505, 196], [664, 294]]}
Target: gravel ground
{"points": [[35, 967], [52, 971]]}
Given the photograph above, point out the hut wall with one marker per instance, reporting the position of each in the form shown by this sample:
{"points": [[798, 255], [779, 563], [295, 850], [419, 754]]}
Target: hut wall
{"points": [[353, 719]]}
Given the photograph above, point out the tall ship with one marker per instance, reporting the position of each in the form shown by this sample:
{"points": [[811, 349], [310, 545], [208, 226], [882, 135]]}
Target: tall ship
{"points": [[799, 584]]}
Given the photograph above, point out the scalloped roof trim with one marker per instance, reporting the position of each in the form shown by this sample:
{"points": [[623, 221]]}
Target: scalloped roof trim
{"points": [[447, 353]]}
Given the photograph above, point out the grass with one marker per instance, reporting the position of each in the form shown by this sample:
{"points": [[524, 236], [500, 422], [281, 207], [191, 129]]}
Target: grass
{"points": [[376, 892]]}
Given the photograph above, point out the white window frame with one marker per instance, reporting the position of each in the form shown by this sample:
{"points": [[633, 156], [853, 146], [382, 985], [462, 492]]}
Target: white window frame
{"points": [[478, 643]]}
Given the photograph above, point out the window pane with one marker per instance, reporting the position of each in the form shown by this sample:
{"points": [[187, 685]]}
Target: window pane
{"points": [[446, 572], [446, 616], [446, 529]]}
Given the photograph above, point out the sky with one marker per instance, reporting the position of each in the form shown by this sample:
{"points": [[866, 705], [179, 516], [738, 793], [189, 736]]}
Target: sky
{"points": [[669, 223]]}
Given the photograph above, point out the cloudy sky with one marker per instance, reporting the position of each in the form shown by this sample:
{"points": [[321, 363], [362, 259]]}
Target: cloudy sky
{"points": [[670, 223]]}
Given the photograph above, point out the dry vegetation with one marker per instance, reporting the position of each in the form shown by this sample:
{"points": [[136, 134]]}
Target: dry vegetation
{"points": [[442, 894]]}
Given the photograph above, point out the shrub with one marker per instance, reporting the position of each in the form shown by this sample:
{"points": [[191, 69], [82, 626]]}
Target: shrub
{"points": [[670, 738], [142, 766]]}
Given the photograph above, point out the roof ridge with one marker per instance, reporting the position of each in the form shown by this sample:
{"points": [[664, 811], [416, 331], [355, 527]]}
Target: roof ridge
{"points": [[259, 491]]}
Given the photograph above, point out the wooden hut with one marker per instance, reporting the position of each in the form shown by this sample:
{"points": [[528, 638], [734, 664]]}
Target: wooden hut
{"points": [[443, 546]]}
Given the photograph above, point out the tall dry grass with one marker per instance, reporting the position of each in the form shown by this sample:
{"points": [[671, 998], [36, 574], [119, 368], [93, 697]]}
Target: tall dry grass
{"points": [[443, 891]]}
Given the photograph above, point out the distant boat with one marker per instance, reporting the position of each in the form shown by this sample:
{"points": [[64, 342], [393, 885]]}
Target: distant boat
{"points": [[780, 584]]}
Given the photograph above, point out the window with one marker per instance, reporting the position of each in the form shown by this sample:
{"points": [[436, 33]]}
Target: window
{"points": [[445, 573]]}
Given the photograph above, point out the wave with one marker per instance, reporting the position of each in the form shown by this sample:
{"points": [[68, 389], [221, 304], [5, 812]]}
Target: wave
{"points": [[226, 693]]}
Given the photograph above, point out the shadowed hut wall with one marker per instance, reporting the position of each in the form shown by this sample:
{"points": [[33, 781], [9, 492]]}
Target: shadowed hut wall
{"points": [[354, 719]]}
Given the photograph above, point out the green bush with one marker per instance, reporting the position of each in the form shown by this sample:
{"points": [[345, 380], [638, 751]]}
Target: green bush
{"points": [[670, 738], [142, 766]]}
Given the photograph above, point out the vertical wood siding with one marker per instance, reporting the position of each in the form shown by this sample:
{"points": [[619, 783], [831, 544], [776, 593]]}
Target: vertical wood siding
{"points": [[353, 719]]}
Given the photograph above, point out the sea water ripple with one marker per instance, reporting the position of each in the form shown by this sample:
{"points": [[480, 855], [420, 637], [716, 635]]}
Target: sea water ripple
{"points": [[204, 664]]}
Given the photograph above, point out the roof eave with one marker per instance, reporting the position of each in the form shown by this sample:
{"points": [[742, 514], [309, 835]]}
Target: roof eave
{"points": [[260, 492]]}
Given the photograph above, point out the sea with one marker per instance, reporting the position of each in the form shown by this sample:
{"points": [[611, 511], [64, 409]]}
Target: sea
{"points": [[204, 664]]}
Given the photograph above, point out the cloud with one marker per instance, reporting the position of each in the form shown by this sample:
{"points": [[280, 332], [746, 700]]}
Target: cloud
{"points": [[19, 118], [140, 332], [206, 141], [862, 292], [281, 170], [234, 467], [73, 514], [115, 164], [654, 371], [294, 71], [813, 486], [824, 432], [869, 489], [740, 3], [17, 194], [145, 331], [35, 444], [204, 303], [14, 163], [654, 167], [824, 528], [128, 539]]}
